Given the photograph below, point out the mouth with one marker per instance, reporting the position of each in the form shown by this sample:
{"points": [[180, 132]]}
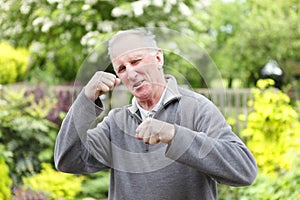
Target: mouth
{"points": [[137, 84]]}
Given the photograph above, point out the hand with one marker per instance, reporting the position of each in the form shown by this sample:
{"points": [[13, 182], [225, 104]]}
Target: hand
{"points": [[153, 131], [100, 83]]}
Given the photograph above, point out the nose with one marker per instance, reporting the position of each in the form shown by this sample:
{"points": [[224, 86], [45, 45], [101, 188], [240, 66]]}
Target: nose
{"points": [[131, 72]]}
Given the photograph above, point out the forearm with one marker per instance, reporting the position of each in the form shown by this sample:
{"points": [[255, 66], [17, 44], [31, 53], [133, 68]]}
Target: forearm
{"points": [[71, 153], [226, 158]]}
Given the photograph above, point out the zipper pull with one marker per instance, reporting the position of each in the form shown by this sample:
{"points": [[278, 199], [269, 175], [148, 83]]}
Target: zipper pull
{"points": [[149, 114]]}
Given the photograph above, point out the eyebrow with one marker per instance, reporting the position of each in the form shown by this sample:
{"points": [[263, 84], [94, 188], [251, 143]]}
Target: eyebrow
{"points": [[136, 55]]}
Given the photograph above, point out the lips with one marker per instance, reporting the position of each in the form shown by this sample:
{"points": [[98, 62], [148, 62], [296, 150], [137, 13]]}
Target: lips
{"points": [[137, 84]]}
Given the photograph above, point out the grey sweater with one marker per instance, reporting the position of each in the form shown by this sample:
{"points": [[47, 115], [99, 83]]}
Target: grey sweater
{"points": [[204, 150]]}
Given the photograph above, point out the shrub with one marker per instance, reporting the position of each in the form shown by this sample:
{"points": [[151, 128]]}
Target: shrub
{"points": [[64, 101], [96, 185], [13, 63], [267, 187], [55, 184], [21, 193], [25, 131], [6, 182], [272, 132]]}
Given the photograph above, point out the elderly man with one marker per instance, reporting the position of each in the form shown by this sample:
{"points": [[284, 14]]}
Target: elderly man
{"points": [[170, 143]]}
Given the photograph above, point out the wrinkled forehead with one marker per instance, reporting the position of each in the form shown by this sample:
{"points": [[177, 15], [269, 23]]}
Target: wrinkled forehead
{"points": [[128, 44]]}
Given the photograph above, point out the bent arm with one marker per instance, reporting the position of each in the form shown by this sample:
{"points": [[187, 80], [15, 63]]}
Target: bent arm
{"points": [[213, 149], [71, 153]]}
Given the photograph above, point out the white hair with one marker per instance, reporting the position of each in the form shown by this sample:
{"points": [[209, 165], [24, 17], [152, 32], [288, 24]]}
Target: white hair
{"points": [[147, 36]]}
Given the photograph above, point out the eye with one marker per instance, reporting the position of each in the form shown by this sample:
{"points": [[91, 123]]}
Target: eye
{"points": [[136, 61], [121, 69]]}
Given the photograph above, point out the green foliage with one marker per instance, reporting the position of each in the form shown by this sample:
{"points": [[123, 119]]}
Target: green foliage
{"points": [[27, 193], [272, 131], [95, 185], [250, 33], [60, 34], [241, 36], [13, 63], [25, 131], [56, 185], [272, 134], [267, 187], [6, 182]]}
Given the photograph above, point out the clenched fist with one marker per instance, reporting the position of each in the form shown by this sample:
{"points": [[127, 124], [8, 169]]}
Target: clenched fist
{"points": [[153, 131], [100, 83]]}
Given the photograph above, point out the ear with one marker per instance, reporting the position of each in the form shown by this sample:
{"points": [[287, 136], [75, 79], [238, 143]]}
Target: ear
{"points": [[160, 57]]}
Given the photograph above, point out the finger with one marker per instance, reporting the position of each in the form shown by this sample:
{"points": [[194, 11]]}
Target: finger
{"points": [[108, 82], [141, 126], [117, 81], [102, 87], [142, 132], [154, 139], [138, 132], [100, 75], [110, 77], [147, 125]]}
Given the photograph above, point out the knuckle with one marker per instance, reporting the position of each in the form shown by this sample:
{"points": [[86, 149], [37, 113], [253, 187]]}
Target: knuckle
{"points": [[99, 73]]}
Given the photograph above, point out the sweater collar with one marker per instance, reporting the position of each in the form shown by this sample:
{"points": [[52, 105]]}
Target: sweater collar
{"points": [[171, 93]]}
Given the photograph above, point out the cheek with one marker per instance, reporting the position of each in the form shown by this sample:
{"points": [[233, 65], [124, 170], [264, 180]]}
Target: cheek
{"points": [[123, 79], [121, 76]]}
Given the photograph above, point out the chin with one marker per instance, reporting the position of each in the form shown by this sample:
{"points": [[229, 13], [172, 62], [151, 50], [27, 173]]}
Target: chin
{"points": [[142, 94]]}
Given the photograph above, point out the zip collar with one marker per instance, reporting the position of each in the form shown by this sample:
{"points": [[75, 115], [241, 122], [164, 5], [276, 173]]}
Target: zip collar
{"points": [[171, 94]]}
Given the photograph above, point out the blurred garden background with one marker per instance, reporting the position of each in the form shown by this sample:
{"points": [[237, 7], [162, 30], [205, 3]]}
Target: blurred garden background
{"points": [[254, 44]]}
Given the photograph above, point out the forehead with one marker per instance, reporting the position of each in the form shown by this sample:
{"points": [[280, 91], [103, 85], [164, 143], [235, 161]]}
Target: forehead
{"points": [[129, 45]]}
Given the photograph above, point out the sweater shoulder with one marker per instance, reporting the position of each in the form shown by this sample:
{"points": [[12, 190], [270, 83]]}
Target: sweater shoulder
{"points": [[192, 96]]}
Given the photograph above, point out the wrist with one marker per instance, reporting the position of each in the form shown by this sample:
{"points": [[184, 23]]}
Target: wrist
{"points": [[170, 129]]}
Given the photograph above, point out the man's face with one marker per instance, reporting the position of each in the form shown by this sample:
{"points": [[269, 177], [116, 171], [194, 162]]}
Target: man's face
{"points": [[140, 69]]}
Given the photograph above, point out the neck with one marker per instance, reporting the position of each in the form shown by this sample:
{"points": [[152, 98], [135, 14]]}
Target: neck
{"points": [[149, 103]]}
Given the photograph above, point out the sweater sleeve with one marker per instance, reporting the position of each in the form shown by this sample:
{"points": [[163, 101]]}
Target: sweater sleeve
{"points": [[72, 150], [212, 148]]}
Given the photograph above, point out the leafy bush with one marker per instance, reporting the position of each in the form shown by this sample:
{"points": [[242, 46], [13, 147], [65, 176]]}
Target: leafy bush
{"points": [[272, 131], [25, 131], [95, 185], [6, 182], [267, 187], [55, 184], [58, 112], [21, 193], [13, 63], [272, 134]]}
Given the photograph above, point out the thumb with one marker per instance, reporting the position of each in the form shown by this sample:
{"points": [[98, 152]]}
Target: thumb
{"points": [[117, 81]]}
